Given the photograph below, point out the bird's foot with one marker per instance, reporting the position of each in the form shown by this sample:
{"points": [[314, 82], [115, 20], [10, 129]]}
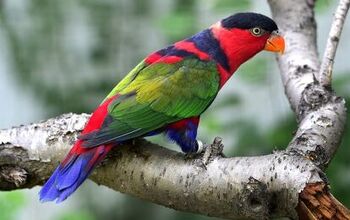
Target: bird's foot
{"points": [[206, 152], [201, 147], [212, 151]]}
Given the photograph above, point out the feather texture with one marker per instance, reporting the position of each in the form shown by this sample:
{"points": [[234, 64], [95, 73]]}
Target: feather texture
{"points": [[160, 94]]}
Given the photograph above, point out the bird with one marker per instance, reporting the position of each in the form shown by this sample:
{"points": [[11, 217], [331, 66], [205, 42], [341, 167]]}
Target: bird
{"points": [[165, 93]]}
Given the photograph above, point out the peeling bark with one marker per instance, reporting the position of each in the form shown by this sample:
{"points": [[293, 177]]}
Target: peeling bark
{"points": [[316, 202]]}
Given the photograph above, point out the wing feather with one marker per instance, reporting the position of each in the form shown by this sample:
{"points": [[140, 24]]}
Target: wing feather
{"points": [[157, 95]]}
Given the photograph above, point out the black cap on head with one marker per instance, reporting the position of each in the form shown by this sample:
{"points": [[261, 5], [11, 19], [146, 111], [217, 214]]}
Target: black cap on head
{"points": [[249, 20]]}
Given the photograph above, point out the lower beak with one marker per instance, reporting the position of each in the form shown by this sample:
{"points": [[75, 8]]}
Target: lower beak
{"points": [[275, 43]]}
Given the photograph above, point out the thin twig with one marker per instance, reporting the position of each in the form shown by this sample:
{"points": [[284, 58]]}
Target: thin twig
{"points": [[325, 73]]}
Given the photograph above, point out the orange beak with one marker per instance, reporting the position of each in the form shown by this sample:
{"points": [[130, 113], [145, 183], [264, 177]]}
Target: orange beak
{"points": [[275, 43]]}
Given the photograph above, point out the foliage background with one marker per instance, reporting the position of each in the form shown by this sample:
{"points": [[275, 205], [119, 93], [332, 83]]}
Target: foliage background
{"points": [[64, 56]]}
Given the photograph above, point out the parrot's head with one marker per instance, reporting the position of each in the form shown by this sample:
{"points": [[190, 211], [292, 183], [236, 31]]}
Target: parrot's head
{"points": [[243, 35]]}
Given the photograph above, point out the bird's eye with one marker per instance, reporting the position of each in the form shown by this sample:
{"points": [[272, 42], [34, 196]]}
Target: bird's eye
{"points": [[257, 31]]}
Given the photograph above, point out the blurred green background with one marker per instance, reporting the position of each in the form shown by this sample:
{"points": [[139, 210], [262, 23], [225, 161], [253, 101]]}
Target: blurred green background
{"points": [[65, 56]]}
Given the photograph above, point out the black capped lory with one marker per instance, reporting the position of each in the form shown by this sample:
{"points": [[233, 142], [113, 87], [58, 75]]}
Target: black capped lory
{"points": [[166, 93]]}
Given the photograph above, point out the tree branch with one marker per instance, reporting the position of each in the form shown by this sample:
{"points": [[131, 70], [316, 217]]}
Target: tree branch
{"points": [[254, 187], [321, 115], [242, 187], [325, 73]]}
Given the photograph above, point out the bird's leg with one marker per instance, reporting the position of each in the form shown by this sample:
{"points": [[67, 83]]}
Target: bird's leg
{"points": [[186, 139], [185, 136], [184, 133]]}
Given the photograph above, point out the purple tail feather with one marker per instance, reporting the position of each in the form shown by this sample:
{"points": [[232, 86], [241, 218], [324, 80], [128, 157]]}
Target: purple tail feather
{"points": [[71, 173]]}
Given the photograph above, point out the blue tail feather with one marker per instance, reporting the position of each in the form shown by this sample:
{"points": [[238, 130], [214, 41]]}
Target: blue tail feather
{"points": [[69, 176], [65, 180], [47, 192]]}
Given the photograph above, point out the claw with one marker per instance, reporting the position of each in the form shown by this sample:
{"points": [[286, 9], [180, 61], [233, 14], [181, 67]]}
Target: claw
{"points": [[200, 146]]}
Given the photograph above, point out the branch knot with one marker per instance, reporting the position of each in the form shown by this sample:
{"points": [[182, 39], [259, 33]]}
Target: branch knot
{"points": [[313, 97], [12, 175], [255, 199]]}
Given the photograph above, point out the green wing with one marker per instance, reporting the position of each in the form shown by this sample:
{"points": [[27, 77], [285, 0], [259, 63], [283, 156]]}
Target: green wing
{"points": [[155, 96], [127, 79]]}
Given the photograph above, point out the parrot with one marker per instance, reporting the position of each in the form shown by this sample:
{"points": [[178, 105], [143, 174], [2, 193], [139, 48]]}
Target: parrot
{"points": [[165, 93]]}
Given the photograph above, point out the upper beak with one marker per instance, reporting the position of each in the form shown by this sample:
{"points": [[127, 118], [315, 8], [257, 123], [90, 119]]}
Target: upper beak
{"points": [[275, 43]]}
